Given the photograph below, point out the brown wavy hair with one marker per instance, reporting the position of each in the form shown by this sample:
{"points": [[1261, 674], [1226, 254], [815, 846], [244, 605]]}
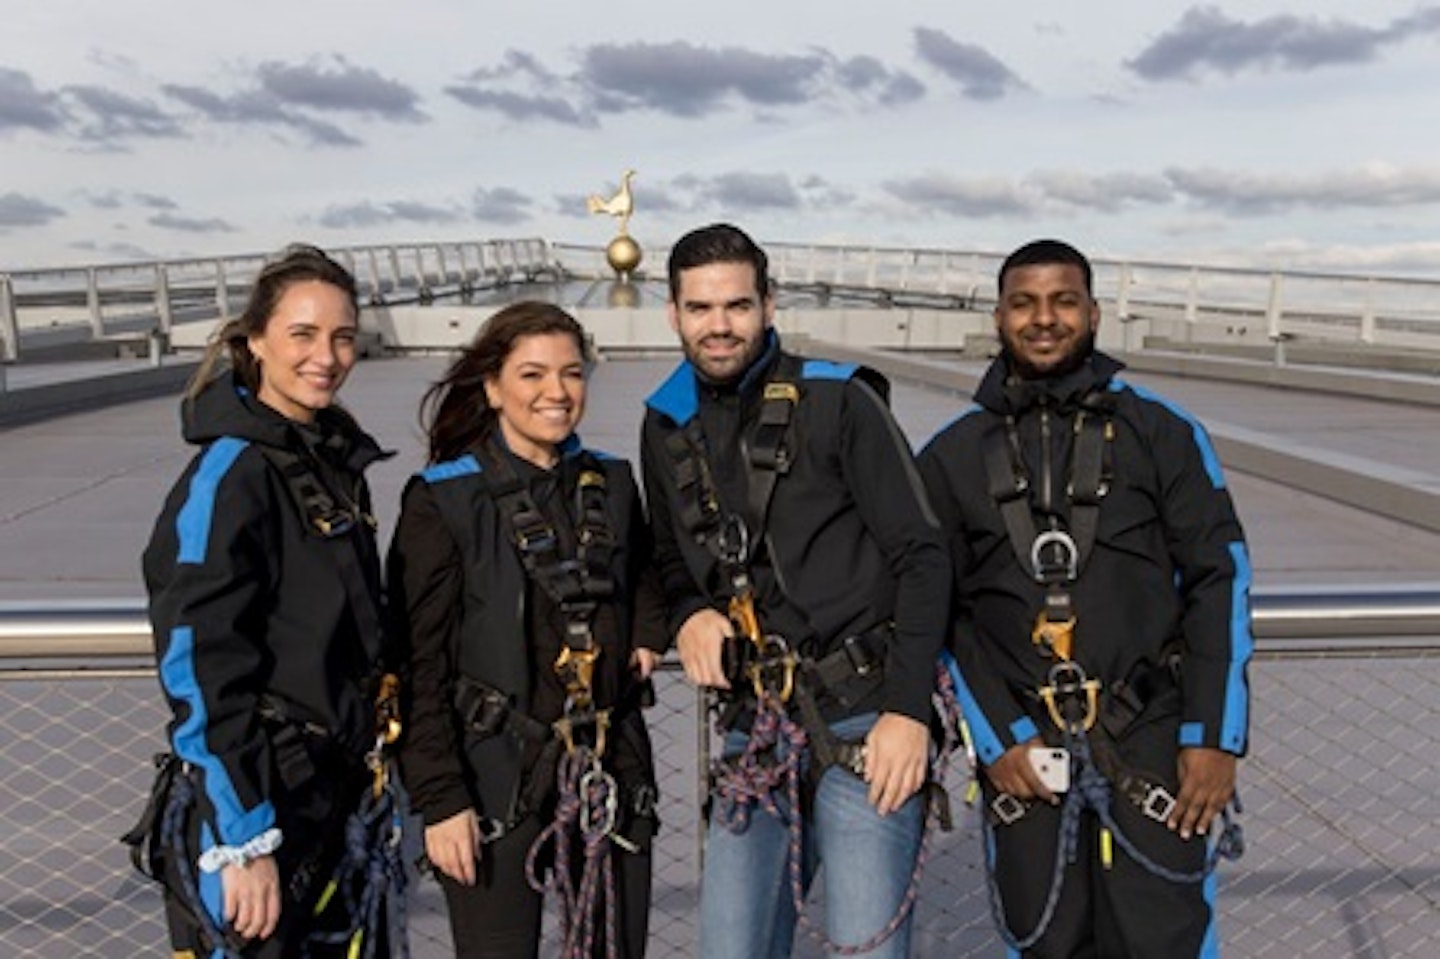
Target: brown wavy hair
{"points": [[454, 413]]}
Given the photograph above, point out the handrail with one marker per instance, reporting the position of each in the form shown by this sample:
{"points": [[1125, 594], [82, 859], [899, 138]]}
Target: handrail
{"points": [[1310, 618]]}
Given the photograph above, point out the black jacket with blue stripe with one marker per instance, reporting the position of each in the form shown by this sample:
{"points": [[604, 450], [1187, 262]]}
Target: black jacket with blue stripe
{"points": [[1169, 560], [849, 543], [247, 601]]}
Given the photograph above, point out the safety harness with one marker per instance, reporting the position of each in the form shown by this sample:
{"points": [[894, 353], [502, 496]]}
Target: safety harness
{"points": [[1090, 720], [370, 874], [578, 579], [768, 672]]}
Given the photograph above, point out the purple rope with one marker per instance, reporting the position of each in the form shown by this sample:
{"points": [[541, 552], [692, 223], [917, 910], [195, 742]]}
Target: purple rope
{"points": [[584, 812]]}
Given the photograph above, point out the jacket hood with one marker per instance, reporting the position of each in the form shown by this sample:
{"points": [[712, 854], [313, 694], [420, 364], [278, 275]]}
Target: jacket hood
{"points": [[226, 407], [1003, 393]]}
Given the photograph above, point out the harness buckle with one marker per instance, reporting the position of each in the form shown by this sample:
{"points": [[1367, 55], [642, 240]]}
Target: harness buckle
{"points": [[1158, 804], [568, 725], [1056, 636], [1054, 553], [1007, 808], [576, 669], [1069, 685]]}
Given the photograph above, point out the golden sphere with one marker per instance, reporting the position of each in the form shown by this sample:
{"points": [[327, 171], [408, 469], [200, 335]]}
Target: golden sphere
{"points": [[623, 255]]}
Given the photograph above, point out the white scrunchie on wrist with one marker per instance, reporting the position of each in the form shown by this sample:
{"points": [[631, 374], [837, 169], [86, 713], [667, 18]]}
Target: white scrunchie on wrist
{"points": [[218, 857]]}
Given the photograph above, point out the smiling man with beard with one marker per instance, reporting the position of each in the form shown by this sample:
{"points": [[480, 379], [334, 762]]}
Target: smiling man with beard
{"points": [[805, 580], [1101, 609]]}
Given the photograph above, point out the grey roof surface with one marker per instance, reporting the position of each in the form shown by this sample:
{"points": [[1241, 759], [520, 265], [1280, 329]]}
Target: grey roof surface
{"points": [[78, 492]]}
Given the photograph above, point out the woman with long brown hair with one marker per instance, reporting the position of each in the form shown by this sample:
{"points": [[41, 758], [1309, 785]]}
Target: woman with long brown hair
{"points": [[264, 586], [520, 568]]}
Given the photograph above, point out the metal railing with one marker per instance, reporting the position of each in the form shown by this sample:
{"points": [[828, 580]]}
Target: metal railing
{"points": [[78, 304], [1180, 304], [1343, 854]]}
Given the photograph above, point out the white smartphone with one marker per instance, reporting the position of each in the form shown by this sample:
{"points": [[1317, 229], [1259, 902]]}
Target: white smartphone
{"points": [[1052, 765]]}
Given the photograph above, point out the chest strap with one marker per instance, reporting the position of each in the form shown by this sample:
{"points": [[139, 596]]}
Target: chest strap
{"points": [[577, 576], [1056, 556], [323, 516]]}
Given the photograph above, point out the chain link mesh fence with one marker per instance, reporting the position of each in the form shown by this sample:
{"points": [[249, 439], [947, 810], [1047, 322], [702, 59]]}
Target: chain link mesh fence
{"points": [[1341, 821]]}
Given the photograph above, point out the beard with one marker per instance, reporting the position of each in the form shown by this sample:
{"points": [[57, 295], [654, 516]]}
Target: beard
{"points": [[727, 370], [1078, 351]]}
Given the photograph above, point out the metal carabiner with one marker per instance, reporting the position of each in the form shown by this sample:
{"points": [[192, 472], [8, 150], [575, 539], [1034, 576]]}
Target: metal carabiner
{"points": [[1070, 561]]}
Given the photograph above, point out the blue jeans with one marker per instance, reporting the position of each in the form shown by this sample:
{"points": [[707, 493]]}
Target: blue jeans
{"points": [[746, 906]]}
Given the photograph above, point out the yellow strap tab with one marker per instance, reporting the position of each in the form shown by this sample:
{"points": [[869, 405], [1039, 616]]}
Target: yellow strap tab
{"points": [[1107, 849]]}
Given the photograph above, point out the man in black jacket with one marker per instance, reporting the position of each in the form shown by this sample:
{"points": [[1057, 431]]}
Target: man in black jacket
{"points": [[787, 513], [1102, 606]]}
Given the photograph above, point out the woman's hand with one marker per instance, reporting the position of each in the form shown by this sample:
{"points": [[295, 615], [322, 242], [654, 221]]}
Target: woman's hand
{"points": [[252, 897]]}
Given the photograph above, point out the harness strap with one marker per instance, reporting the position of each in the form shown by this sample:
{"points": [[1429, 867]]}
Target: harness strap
{"points": [[577, 582], [320, 513]]}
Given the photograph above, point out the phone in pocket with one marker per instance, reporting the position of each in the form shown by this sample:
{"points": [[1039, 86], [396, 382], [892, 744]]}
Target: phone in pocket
{"points": [[1052, 765]]}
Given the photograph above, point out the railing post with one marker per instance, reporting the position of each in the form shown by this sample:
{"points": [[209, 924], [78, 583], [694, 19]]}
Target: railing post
{"points": [[1367, 318], [162, 296], [9, 324], [444, 276], [222, 291], [92, 303], [395, 266], [1272, 318], [376, 293], [1192, 300]]}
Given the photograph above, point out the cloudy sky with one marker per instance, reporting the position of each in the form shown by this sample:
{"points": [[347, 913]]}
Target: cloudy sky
{"points": [[1298, 133]]}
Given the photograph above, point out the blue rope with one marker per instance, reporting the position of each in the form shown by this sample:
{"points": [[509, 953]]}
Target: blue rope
{"points": [[1091, 790], [172, 833], [372, 851]]}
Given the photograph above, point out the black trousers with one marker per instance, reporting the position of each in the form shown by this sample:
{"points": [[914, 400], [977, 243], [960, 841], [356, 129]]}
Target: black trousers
{"points": [[499, 917], [1119, 912]]}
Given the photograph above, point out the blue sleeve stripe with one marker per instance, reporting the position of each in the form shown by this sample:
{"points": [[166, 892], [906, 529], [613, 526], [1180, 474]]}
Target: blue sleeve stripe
{"points": [[1192, 734], [1242, 645], [1023, 728], [987, 745], [1202, 438], [177, 675], [464, 466], [192, 523], [827, 370]]}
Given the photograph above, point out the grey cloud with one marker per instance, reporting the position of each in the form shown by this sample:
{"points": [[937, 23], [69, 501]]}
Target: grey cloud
{"points": [[369, 214], [865, 74], [154, 201], [341, 86], [980, 75], [1205, 38], [501, 205], [185, 224], [123, 251], [676, 78], [1250, 194], [747, 191], [939, 193], [23, 106], [114, 200], [1108, 193], [16, 209], [519, 106], [255, 107], [685, 80], [117, 116]]}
